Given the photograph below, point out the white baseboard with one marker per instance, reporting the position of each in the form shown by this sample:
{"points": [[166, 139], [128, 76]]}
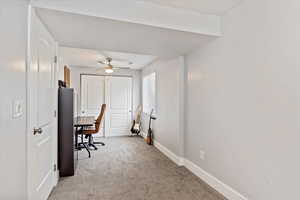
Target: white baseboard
{"points": [[177, 159], [212, 181], [118, 135]]}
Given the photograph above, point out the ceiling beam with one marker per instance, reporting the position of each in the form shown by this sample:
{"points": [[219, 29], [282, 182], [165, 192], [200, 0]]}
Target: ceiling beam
{"points": [[139, 12]]}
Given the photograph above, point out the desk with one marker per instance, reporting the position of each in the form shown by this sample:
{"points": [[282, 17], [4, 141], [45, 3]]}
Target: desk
{"points": [[80, 123]]}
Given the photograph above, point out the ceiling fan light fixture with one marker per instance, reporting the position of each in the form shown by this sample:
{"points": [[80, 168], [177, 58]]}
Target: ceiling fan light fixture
{"points": [[109, 70]]}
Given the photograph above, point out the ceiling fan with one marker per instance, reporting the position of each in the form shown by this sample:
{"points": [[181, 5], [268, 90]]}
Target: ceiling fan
{"points": [[109, 68]]}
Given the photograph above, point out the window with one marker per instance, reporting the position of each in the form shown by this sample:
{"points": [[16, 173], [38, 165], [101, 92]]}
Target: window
{"points": [[149, 93]]}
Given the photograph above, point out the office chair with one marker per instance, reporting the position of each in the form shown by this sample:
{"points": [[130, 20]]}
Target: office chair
{"points": [[89, 132]]}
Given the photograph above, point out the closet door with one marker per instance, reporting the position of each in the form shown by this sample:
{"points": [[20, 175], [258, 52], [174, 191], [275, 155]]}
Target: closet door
{"points": [[119, 106], [92, 96]]}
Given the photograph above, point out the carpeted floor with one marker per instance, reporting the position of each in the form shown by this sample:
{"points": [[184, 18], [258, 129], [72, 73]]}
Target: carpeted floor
{"points": [[128, 169]]}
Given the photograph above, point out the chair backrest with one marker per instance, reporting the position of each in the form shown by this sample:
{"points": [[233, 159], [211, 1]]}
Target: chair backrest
{"points": [[100, 117]]}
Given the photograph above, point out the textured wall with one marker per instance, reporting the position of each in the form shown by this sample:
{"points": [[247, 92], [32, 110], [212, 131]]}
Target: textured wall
{"points": [[13, 37], [167, 127], [243, 101]]}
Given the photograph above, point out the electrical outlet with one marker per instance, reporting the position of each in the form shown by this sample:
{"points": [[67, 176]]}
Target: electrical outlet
{"points": [[202, 155]]}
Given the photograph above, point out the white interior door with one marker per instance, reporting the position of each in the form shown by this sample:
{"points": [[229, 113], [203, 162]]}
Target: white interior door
{"points": [[119, 106], [92, 96], [41, 107]]}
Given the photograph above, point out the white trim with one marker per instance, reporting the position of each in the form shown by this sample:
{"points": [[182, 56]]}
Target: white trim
{"points": [[182, 95], [28, 60], [116, 135], [55, 131], [177, 159], [211, 180], [215, 183]]}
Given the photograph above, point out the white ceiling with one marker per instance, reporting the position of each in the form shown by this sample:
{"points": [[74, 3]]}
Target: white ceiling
{"points": [[75, 57], [217, 7], [141, 12], [86, 32]]}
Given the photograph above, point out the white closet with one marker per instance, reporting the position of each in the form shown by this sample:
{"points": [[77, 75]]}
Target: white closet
{"points": [[116, 92]]}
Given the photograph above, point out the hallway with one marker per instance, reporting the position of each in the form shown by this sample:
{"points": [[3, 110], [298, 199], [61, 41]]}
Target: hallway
{"points": [[128, 169]]}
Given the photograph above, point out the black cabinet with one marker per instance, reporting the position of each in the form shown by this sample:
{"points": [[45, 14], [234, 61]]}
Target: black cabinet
{"points": [[67, 155]]}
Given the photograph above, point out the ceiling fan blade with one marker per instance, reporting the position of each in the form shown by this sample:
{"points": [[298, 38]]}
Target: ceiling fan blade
{"points": [[117, 68], [102, 62], [101, 67], [117, 63], [125, 62]]}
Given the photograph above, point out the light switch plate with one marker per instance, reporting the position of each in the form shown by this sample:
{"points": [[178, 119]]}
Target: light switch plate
{"points": [[17, 109]]}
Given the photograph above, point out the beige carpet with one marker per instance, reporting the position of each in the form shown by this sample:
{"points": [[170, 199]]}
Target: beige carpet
{"points": [[128, 169]]}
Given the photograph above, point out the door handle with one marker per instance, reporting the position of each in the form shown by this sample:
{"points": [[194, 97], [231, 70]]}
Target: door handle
{"points": [[37, 131]]}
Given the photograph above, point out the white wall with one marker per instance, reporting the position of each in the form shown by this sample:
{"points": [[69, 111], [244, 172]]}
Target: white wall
{"points": [[167, 127], [243, 101], [60, 74], [75, 82], [13, 37]]}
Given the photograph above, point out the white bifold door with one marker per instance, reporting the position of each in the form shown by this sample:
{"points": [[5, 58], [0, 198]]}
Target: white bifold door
{"points": [[92, 96], [119, 103], [116, 92], [42, 94]]}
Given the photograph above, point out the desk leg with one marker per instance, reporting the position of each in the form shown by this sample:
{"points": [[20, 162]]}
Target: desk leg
{"points": [[76, 138]]}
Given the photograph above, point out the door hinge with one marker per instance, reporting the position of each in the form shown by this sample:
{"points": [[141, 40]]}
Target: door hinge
{"points": [[55, 113], [54, 167], [55, 59]]}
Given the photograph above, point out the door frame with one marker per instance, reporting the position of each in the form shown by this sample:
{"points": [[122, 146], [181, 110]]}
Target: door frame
{"points": [[105, 93], [55, 175]]}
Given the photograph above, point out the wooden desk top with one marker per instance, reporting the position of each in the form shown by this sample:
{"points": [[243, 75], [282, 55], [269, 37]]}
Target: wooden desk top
{"points": [[84, 121]]}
